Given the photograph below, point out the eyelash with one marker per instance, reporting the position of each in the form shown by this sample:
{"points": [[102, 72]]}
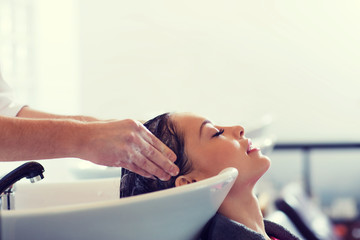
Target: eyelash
{"points": [[221, 131]]}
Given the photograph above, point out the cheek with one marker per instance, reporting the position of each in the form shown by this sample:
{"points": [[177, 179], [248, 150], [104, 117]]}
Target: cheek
{"points": [[229, 152], [212, 160]]}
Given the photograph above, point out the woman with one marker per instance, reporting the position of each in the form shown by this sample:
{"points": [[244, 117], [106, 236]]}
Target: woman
{"points": [[203, 150]]}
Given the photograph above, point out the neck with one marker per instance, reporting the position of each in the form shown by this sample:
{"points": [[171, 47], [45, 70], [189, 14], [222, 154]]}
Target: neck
{"points": [[243, 207]]}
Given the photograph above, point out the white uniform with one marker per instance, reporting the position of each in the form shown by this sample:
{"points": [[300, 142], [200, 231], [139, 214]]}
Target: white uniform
{"points": [[7, 106]]}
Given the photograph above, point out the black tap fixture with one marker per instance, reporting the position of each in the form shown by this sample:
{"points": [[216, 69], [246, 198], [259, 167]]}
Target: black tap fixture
{"points": [[31, 170]]}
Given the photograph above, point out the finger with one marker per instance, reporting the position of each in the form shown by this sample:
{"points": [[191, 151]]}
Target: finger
{"points": [[158, 159], [136, 169], [147, 165], [159, 153], [156, 143]]}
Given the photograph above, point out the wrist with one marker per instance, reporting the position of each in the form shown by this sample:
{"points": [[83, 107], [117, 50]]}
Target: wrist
{"points": [[82, 138]]}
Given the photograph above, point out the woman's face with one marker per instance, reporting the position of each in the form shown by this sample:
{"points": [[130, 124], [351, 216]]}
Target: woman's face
{"points": [[211, 148]]}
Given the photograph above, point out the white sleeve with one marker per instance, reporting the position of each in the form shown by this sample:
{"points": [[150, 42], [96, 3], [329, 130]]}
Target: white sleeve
{"points": [[7, 106]]}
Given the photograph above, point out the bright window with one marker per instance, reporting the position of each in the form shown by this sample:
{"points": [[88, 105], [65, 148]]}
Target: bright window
{"points": [[39, 53], [17, 48]]}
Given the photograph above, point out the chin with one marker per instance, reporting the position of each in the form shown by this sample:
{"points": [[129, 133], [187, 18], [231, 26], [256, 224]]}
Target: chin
{"points": [[266, 161], [264, 167]]}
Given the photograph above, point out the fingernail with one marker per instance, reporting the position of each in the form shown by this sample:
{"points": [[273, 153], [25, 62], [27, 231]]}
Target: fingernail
{"points": [[172, 157], [174, 171], [165, 178]]}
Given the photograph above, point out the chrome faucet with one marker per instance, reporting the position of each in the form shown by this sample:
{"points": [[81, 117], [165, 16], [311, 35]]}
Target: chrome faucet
{"points": [[31, 170]]}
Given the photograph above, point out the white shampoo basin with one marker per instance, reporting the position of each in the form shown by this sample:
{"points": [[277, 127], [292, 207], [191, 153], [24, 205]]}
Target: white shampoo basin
{"points": [[91, 209]]}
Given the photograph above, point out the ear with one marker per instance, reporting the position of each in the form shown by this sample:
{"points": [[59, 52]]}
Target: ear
{"points": [[183, 180]]}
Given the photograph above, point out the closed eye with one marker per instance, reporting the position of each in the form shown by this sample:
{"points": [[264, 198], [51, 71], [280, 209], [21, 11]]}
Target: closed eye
{"points": [[221, 131]]}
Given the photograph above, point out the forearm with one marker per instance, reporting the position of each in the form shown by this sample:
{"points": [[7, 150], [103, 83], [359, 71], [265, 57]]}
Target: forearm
{"points": [[122, 143], [31, 139], [27, 112]]}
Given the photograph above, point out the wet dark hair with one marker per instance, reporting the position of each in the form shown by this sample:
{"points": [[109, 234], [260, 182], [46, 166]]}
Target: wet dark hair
{"points": [[164, 129]]}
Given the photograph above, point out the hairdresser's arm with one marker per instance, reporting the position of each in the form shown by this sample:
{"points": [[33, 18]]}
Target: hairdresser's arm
{"points": [[27, 112], [123, 143], [30, 139]]}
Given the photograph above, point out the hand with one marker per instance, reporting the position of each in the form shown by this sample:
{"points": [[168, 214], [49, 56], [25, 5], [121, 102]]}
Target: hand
{"points": [[128, 144]]}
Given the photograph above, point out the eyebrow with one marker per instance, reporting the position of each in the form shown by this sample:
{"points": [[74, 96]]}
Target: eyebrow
{"points": [[202, 126]]}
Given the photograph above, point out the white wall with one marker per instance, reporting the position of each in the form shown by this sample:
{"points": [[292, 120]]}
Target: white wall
{"points": [[233, 61], [56, 54]]}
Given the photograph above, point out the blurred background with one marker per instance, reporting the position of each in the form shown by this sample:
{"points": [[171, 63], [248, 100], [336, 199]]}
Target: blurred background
{"points": [[294, 63]]}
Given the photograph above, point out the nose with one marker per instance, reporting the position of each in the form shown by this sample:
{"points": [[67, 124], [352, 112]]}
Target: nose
{"points": [[238, 131]]}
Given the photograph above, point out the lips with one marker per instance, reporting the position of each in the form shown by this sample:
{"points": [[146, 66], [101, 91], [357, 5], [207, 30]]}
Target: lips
{"points": [[250, 147]]}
